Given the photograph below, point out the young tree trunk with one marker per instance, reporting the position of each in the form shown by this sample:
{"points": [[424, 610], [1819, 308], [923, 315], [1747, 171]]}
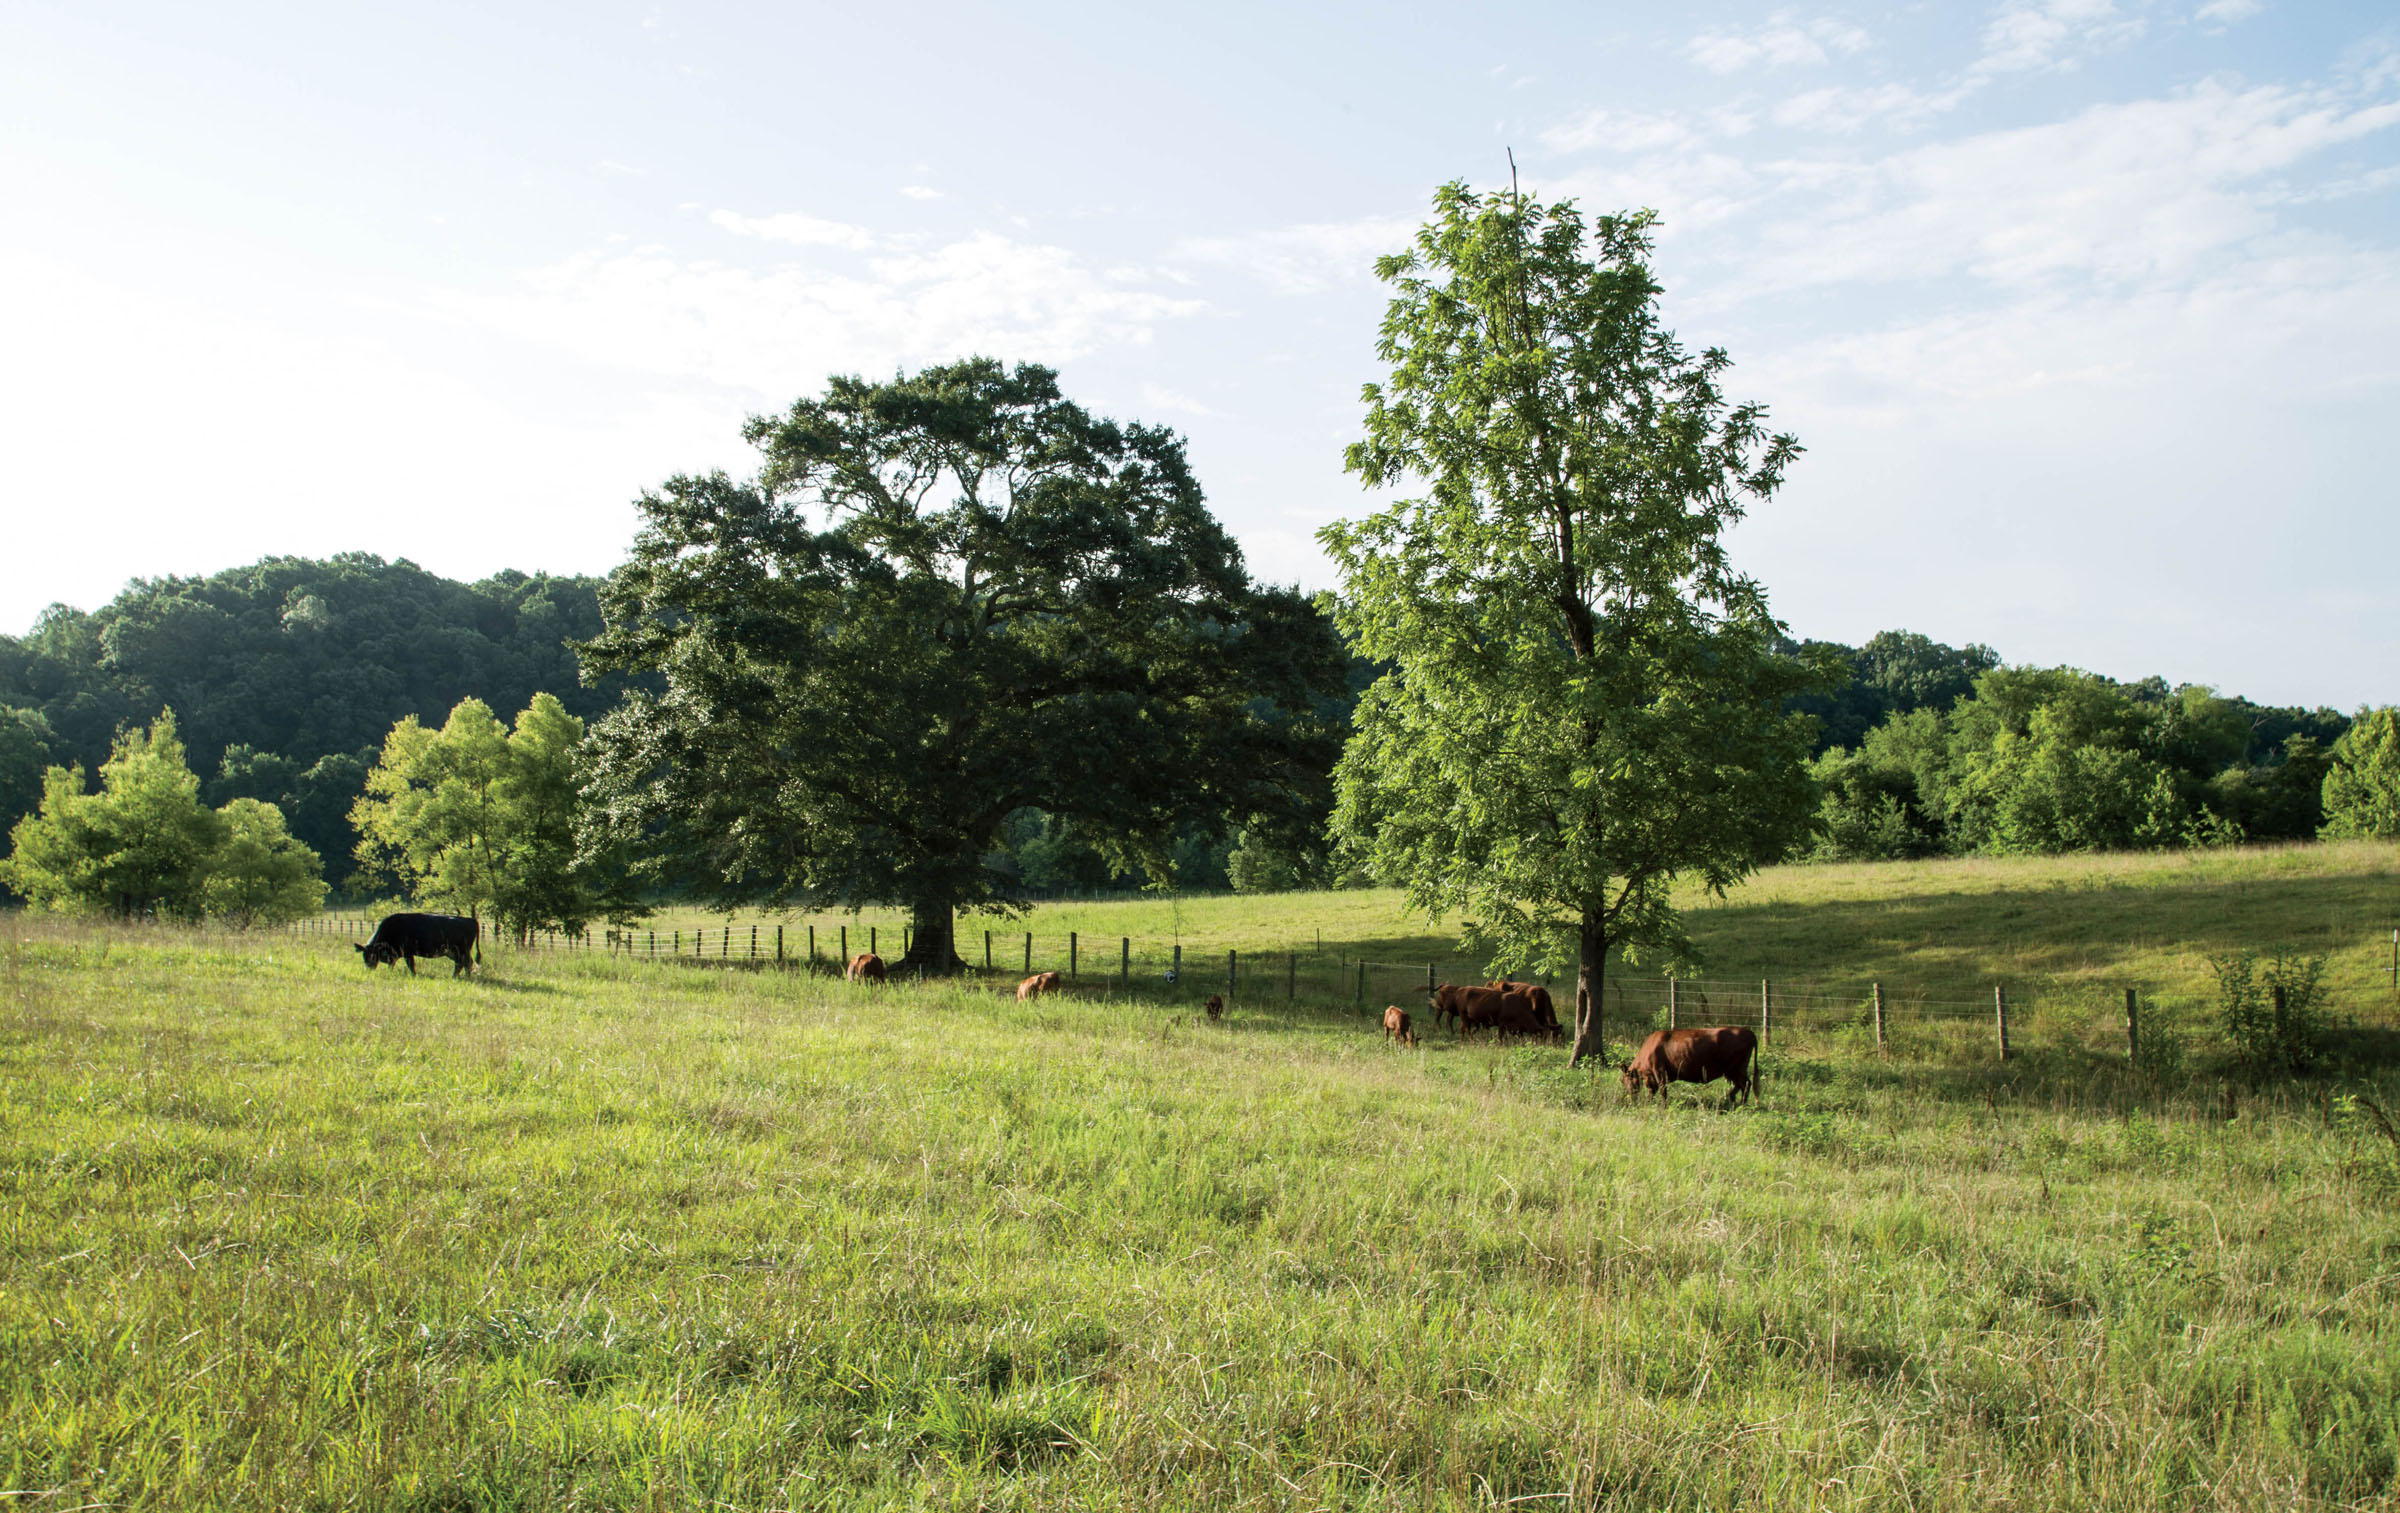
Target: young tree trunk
{"points": [[932, 945], [1591, 979]]}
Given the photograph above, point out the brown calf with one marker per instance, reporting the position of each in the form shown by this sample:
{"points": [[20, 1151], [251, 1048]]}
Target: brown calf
{"points": [[1038, 984], [1215, 1007], [866, 966], [1397, 1027]]}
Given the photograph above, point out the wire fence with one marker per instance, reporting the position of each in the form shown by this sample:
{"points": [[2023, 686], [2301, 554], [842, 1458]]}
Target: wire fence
{"points": [[1787, 1013]]}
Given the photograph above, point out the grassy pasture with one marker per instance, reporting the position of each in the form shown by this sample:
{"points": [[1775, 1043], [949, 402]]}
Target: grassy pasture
{"points": [[278, 1233]]}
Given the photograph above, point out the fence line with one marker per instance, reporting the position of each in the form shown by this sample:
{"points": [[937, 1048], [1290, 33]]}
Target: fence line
{"points": [[1631, 1005]]}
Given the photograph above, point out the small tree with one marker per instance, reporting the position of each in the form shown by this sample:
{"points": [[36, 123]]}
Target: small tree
{"points": [[260, 875], [141, 844], [2362, 787], [477, 819], [1585, 700]]}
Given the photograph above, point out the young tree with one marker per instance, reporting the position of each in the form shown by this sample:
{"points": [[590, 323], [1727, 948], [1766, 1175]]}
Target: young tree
{"points": [[480, 819], [142, 843], [260, 875], [2362, 787], [1585, 700], [945, 598]]}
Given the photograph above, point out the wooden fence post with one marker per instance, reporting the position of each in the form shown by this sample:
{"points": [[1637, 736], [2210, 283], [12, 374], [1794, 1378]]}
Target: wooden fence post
{"points": [[1429, 983], [1124, 963], [1074, 955], [679, 943], [1879, 1019], [1029, 953], [987, 950], [1674, 1003], [1766, 1008], [845, 962], [779, 943], [653, 950], [754, 942], [872, 948], [1175, 968], [2133, 1029], [2000, 1018], [1362, 987]]}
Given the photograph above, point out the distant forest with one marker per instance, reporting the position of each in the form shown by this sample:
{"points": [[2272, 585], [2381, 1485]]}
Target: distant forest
{"points": [[285, 677]]}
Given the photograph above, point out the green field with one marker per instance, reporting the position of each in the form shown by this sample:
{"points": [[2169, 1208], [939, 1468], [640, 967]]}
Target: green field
{"points": [[583, 1232]]}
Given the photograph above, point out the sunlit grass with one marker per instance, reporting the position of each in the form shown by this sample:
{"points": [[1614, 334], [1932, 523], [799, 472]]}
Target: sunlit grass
{"points": [[282, 1233]]}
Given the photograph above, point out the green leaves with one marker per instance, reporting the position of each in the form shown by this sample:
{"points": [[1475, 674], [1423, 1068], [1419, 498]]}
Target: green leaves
{"points": [[476, 818], [2362, 786], [945, 598], [1584, 698]]}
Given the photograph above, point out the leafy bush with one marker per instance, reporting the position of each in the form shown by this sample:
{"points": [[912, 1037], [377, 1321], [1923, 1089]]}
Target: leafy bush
{"points": [[2272, 1015]]}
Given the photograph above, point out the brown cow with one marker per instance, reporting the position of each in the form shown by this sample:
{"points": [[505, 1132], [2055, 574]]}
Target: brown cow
{"points": [[866, 966], [1543, 1009], [1038, 984], [1215, 1007], [1488, 1009], [1698, 1055], [1397, 1027]]}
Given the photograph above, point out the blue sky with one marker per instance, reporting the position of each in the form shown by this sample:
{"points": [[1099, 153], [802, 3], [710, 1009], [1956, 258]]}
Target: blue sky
{"points": [[2088, 311]]}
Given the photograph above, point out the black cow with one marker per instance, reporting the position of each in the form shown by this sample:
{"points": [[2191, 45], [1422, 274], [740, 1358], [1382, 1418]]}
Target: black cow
{"points": [[405, 937]]}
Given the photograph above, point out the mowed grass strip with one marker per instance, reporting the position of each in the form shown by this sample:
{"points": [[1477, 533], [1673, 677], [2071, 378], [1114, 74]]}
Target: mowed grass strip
{"points": [[581, 1233]]}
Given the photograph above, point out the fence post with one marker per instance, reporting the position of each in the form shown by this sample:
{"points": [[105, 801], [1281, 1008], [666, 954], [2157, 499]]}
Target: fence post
{"points": [[1029, 953], [2133, 1029], [1074, 956], [725, 945], [1291, 977], [1124, 963], [987, 950], [1362, 987], [679, 943], [845, 962], [779, 943], [872, 948], [754, 942], [1233, 974], [1879, 1019], [812, 944], [1766, 1008], [1429, 973], [2000, 1018], [653, 948], [1175, 969], [1674, 1003]]}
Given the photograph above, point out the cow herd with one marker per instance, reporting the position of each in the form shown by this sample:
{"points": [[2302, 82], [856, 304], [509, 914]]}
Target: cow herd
{"points": [[1498, 1007]]}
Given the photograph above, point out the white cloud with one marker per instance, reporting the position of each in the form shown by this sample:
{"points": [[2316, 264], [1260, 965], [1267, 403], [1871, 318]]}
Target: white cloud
{"points": [[1847, 108], [2148, 189], [2036, 34], [783, 328], [798, 230], [1305, 259], [1159, 397], [920, 192], [1618, 131], [1783, 42], [2226, 12]]}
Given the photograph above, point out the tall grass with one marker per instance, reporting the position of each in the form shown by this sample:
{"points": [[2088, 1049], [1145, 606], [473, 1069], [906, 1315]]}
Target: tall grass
{"points": [[582, 1233]]}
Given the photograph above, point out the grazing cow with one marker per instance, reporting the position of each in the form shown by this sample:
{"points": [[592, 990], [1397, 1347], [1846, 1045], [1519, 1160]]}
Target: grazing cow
{"points": [[405, 937], [1397, 1027], [1215, 1007], [1698, 1055], [1543, 1009], [1038, 984], [1510, 1013], [866, 966]]}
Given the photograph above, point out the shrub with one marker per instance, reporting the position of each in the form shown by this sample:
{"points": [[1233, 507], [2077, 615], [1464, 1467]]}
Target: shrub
{"points": [[2272, 1015]]}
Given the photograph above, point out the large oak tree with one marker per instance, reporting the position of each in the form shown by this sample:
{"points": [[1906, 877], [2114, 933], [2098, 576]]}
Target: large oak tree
{"points": [[1585, 701], [944, 598]]}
